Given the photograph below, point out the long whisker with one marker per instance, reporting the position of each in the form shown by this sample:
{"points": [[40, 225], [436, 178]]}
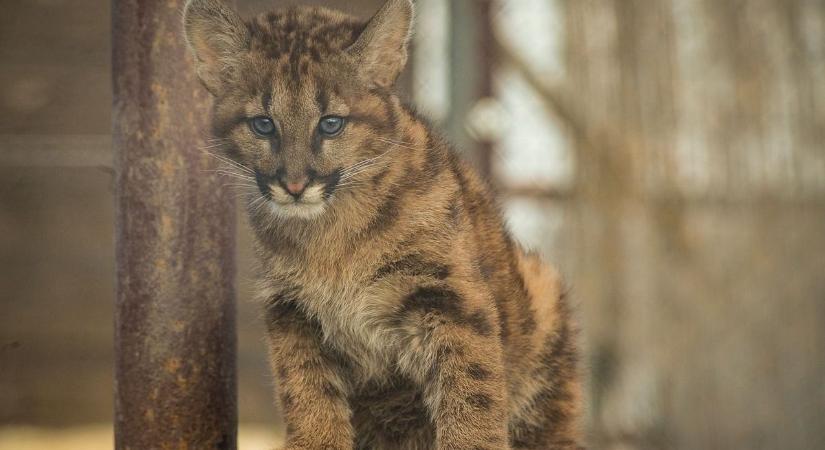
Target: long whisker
{"points": [[372, 159], [213, 145], [234, 175], [229, 162], [351, 179], [356, 168], [218, 143], [409, 145], [358, 183], [363, 169], [395, 141], [231, 173], [256, 205]]}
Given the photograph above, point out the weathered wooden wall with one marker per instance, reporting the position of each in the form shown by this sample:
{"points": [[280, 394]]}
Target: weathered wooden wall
{"points": [[700, 218]]}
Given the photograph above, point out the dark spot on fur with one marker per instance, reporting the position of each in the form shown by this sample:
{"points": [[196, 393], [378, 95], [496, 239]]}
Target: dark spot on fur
{"points": [[553, 402], [302, 34], [480, 401], [448, 305], [287, 401], [454, 211], [380, 176], [386, 215], [479, 323], [266, 101], [444, 352], [433, 299], [528, 324], [391, 412], [330, 182], [428, 174], [521, 297], [503, 317], [413, 265], [486, 269], [559, 352], [477, 372], [330, 391], [283, 309]]}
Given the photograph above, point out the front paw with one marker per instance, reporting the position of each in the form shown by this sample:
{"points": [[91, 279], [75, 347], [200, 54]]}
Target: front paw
{"points": [[317, 447]]}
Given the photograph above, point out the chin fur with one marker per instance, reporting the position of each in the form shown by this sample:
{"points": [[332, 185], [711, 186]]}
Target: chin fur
{"points": [[296, 210]]}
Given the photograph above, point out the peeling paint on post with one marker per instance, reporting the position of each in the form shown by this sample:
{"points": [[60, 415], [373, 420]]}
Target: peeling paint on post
{"points": [[175, 313]]}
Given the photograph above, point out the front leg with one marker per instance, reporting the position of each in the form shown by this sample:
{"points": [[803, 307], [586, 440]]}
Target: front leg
{"points": [[312, 393], [452, 346]]}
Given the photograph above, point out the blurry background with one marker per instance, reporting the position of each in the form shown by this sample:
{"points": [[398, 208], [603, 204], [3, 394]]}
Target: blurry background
{"points": [[668, 155]]}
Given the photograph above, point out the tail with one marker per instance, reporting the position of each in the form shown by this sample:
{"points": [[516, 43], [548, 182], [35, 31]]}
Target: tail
{"points": [[543, 283], [552, 420]]}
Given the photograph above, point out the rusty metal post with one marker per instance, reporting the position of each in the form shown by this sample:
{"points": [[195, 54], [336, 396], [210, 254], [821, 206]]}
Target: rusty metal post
{"points": [[486, 69], [472, 56], [175, 314]]}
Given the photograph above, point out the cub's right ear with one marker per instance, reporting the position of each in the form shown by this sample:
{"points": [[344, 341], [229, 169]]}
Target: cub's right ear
{"points": [[216, 36]]}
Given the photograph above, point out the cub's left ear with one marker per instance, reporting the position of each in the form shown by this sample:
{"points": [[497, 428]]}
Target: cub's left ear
{"points": [[380, 52]]}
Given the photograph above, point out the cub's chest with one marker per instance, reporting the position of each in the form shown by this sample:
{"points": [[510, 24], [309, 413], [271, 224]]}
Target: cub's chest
{"points": [[323, 266], [356, 308], [354, 317], [359, 329]]}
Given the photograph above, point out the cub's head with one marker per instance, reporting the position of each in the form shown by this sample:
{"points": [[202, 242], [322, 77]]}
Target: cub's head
{"points": [[304, 106]]}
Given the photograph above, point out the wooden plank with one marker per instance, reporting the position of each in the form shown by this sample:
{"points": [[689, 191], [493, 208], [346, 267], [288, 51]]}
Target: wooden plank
{"points": [[85, 150]]}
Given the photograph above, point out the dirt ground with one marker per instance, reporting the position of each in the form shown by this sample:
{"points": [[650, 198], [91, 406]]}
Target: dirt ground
{"points": [[99, 437]]}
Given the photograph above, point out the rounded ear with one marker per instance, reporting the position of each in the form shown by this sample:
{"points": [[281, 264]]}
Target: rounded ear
{"points": [[216, 35], [380, 52]]}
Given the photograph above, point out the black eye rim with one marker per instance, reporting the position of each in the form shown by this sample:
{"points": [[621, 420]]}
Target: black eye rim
{"points": [[253, 125], [342, 122]]}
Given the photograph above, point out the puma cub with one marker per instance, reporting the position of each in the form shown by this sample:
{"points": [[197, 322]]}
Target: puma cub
{"points": [[401, 314]]}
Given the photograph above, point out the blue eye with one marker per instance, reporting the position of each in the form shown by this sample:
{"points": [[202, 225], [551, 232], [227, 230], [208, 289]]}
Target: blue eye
{"points": [[262, 126], [331, 126]]}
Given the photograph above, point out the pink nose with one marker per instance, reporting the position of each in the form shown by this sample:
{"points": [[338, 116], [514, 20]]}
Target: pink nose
{"points": [[297, 188]]}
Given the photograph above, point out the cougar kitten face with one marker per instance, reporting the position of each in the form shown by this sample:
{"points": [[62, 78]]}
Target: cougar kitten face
{"points": [[300, 98], [300, 143]]}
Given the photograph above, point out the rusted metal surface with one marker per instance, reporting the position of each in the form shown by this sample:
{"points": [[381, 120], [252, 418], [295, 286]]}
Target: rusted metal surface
{"points": [[470, 47], [175, 314], [487, 66]]}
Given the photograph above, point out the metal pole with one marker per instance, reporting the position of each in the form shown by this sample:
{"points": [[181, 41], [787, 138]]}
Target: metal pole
{"points": [[486, 68], [175, 383], [471, 78]]}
